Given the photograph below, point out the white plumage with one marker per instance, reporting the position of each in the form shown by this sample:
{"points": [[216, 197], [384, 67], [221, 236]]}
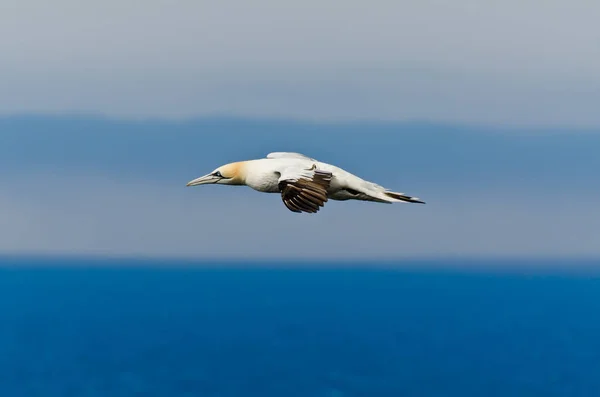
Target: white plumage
{"points": [[305, 184]]}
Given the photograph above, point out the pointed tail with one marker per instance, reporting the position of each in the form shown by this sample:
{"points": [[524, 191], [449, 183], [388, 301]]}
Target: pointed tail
{"points": [[403, 197]]}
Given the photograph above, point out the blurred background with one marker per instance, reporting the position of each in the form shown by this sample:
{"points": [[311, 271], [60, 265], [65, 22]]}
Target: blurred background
{"points": [[486, 111]]}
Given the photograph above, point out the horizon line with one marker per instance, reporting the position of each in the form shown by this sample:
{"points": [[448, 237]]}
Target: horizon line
{"points": [[275, 119], [102, 257]]}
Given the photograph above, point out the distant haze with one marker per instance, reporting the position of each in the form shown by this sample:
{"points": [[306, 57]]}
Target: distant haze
{"points": [[487, 110], [92, 186], [532, 62]]}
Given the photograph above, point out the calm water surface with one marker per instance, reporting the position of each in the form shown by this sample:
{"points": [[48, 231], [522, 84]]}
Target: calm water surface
{"points": [[175, 331]]}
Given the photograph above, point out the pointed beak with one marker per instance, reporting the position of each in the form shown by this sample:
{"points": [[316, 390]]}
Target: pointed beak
{"points": [[204, 180]]}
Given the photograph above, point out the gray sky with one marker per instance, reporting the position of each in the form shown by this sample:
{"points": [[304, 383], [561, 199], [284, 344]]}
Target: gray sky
{"points": [[526, 62]]}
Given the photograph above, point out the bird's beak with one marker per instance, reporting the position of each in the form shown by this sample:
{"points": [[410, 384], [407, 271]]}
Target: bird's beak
{"points": [[204, 180]]}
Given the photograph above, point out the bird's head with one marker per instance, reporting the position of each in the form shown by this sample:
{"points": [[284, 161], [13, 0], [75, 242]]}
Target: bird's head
{"points": [[228, 174]]}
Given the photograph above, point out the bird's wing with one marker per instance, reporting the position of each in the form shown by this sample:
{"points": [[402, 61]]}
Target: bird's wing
{"points": [[304, 190], [288, 155]]}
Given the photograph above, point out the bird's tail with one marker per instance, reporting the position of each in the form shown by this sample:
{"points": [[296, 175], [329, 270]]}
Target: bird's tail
{"points": [[401, 197], [370, 191]]}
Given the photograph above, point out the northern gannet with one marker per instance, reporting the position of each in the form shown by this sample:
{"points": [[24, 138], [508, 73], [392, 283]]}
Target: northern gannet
{"points": [[305, 184]]}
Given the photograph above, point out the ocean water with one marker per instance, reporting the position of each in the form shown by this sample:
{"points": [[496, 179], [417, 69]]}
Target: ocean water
{"points": [[146, 329]]}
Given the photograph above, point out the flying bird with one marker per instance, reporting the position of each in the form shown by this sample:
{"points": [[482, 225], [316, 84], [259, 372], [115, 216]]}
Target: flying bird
{"points": [[305, 184]]}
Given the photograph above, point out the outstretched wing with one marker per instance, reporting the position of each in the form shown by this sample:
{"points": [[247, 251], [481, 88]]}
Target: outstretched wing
{"points": [[304, 190], [288, 155]]}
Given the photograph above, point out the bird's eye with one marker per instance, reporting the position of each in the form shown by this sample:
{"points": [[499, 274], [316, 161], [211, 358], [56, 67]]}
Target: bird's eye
{"points": [[218, 174]]}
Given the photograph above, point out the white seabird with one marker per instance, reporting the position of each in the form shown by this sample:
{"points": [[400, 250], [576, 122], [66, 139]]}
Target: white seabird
{"points": [[305, 184]]}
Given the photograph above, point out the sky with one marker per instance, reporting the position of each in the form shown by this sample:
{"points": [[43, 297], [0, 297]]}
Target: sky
{"points": [[510, 62], [486, 110], [94, 186]]}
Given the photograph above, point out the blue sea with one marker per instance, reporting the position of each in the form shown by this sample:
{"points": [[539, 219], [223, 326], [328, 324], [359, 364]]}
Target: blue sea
{"points": [[134, 328]]}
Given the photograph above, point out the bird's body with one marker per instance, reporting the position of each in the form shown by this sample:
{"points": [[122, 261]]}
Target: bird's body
{"points": [[305, 184]]}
